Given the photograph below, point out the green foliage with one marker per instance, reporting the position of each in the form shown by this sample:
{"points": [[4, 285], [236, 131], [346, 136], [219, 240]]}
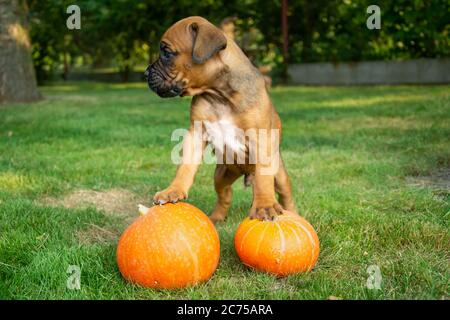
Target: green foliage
{"points": [[350, 153], [126, 33], [336, 30]]}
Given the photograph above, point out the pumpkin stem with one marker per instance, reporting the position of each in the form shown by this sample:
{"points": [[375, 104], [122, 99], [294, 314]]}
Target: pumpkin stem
{"points": [[142, 209]]}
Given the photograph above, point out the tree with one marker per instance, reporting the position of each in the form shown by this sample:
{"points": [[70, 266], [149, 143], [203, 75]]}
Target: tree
{"points": [[17, 77], [124, 34]]}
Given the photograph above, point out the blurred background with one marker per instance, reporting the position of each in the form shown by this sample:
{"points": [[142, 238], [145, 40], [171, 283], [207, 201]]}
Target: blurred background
{"points": [[118, 38]]}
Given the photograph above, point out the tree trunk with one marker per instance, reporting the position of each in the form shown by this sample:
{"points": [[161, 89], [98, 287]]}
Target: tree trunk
{"points": [[65, 74], [126, 74], [17, 76]]}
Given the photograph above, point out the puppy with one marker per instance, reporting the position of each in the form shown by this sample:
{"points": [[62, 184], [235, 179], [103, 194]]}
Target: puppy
{"points": [[229, 97]]}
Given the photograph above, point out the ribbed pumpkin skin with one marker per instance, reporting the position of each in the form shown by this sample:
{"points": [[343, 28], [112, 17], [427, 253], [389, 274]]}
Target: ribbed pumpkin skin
{"points": [[171, 246], [281, 247]]}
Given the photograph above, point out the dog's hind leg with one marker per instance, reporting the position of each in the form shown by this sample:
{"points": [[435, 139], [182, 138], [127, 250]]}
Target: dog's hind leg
{"points": [[223, 179], [283, 188]]}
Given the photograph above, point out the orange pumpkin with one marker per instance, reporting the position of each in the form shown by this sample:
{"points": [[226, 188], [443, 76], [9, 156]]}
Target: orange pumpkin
{"points": [[284, 246], [170, 246]]}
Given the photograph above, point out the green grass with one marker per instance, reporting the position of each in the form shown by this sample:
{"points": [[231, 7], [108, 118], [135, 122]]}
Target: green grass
{"points": [[349, 152]]}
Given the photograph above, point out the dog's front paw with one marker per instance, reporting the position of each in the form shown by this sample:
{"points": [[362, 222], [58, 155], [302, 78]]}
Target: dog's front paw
{"points": [[265, 211], [169, 195]]}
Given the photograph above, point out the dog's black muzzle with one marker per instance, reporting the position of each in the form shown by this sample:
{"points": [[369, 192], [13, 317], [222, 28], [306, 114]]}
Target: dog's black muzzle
{"points": [[157, 81]]}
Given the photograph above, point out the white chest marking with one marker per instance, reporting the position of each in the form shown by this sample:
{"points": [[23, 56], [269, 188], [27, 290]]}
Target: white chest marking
{"points": [[224, 133]]}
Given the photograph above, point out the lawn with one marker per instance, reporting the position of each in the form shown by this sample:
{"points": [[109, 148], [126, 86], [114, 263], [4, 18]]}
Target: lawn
{"points": [[364, 163]]}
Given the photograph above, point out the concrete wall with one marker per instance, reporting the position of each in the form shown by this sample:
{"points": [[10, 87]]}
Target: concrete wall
{"points": [[424, 71]]}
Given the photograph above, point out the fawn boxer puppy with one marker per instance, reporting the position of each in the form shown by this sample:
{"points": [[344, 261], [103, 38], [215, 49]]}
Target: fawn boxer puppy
{"points": [[229, 97]]}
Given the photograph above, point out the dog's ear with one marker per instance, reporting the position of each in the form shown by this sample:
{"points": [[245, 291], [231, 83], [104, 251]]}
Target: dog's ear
{"points": [[207, 41]]}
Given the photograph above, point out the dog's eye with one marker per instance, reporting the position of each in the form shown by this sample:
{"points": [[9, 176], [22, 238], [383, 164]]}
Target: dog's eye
{"points": [[166, 53]]}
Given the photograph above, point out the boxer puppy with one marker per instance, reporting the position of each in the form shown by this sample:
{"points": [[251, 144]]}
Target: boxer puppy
{"points": [[229, 95]]}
